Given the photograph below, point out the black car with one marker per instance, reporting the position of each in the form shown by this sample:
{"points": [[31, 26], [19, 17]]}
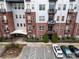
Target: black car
{"points": [[74, 50]]}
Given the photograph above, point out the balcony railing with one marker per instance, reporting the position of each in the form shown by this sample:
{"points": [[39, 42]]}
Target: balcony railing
{"points": [[52, 0], [68, 21], [51, 31], [14, 1], [28, 10], [72, 0], [67, 31], [5, 21], [70, 10], [28, 0], [52, 10], [29, 31], [2, 10], [29, 21], [51, 22]]}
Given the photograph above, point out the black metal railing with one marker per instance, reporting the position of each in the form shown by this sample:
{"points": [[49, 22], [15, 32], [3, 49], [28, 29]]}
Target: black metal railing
{"points": [[51, 22], [28, 10], [14, 1], [70, 10], [2, 10], [52, 10], [28, 0]]}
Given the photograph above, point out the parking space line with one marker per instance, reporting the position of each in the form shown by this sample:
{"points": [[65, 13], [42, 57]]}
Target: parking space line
{"points": [[44, 54], [30, 53], [35, 54]]}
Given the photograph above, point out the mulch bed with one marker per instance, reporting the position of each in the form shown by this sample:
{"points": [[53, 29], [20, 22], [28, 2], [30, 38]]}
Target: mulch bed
{"points": [[12, 52]]}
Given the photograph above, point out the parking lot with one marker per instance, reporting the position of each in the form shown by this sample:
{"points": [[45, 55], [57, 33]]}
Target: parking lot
{"points": [[40, 52]]}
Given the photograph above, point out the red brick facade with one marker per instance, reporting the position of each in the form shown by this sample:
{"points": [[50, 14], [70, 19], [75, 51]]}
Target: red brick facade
{"points": [[39, 32], [59, 28], [31, 21], [10, 23]]}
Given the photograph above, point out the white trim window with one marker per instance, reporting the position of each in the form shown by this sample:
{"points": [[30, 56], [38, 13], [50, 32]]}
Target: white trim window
{"points": [[41, 28], [42, 7], [41, 18], [28, 6]]}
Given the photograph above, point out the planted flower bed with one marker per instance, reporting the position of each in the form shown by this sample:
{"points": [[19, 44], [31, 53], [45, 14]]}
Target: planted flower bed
{"points": [[12, 50]]}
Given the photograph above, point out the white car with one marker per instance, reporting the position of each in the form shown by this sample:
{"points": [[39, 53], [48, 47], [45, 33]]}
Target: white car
{"points": [[57, 50]]}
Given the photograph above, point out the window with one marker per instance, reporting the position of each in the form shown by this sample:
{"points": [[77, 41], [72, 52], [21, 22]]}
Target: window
{"points": [[29, 27], [21, 24], [71, 6], [23, 16], [15, 6], [41, 28], [16, 16], [24, 25], [57, 18], [32, 6], [64, 8], [59, 6], [19, 16], [75, 7], [42, 7], [62, 18], [41, 36], [69, 17], [1, 5], [41, 18], [17, 24], [19, 6], [28, 6], [22, 6]]}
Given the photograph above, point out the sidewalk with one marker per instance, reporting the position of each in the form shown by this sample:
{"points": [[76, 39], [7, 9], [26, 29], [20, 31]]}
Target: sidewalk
{"points": [[19, 42]]}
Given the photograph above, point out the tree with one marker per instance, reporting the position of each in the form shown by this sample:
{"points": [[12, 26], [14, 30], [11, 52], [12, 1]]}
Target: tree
{"points": [[55, 38], [45, 38]]}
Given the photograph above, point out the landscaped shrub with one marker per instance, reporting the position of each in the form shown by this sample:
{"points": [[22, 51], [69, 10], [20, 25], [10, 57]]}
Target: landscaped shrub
{"points": [[2, 39], [13, 46], [45, 38], [55, 38]]}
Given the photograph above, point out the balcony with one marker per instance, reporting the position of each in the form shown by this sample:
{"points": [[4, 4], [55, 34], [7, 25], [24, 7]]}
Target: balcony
{"points": [[52, 0], [72, 0], [68, 21], [52, 10], [15, 1], [29, 31], [28, 11], [51, 22], [51, 31], [27, 0], [67, 31], [2, 10], [70, 10], [5, 21], [29, 21]]}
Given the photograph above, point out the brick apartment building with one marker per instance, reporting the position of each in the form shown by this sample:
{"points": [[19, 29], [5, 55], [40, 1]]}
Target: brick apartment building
{"points": [[37, 17]]}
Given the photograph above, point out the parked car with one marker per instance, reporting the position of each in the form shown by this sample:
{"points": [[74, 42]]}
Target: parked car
{"points": [[66, 51], [74, 50], [57, 50]]}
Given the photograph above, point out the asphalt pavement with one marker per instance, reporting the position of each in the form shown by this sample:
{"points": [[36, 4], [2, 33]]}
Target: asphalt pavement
{"points": [[40, 52]]}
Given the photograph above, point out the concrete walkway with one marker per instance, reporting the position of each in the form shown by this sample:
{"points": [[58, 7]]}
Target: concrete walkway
{"points": [[39, 43]]}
